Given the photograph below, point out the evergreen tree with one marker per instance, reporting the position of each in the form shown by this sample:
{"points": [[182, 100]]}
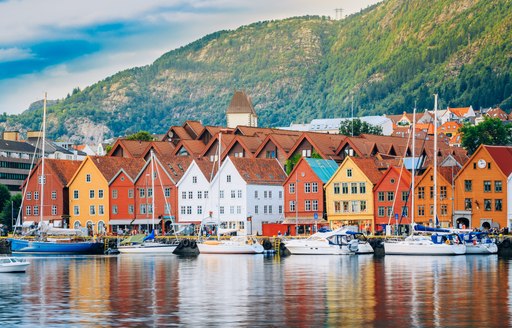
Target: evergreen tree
{"points": [[356, 127]]}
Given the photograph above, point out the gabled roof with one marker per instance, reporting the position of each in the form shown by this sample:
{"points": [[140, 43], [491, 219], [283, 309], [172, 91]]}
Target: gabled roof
{"points": [[175, 166], [361, 146], [63, 169], [262, 132], [460, 112], [369, 168], [324, 144], [195, 126], [194, 147], [209, 169], [161, 147], [226, 140], [109, 167], [497, 113], [260, 171], [130, 148], [402, 172], [240, 103], [502, 155], [323, 168], [250, 144], [16, 146], [284, 142]]}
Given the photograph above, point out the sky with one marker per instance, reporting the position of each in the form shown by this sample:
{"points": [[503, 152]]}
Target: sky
{"points": [[55, 46]]}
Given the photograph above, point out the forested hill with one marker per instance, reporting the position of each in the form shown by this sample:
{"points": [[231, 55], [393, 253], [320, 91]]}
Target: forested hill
{"points": [[382, 59]]}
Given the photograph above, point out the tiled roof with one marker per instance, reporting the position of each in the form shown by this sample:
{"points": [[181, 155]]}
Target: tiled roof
{"points": [[460, 112], [240, 103], [497, 113], [369, 168], [325, 144], [209, 169], [181, 133], [110, 166], [163, 147], [63, 169], [502, 155], [196, 126], [260, 171], [449, 172], [323, 168], [175, 165], [134, 148], [193, 147]]}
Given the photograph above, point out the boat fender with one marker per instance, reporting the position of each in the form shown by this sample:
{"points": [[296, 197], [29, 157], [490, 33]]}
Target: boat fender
{"points": [[505, 243], [193, 244], [186, 243]]}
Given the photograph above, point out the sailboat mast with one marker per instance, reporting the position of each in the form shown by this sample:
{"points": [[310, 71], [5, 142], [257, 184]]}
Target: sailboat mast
{"points": [[413, 165], [435, 160], [41, 178], [218, 181], [152, 190]]}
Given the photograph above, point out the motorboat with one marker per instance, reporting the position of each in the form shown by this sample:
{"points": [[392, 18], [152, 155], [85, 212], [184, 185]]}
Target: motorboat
{"points": [[234, 245], [13, 264], [479, 243], [324, 243], [364, 246], [142, 244], [434, 244]]}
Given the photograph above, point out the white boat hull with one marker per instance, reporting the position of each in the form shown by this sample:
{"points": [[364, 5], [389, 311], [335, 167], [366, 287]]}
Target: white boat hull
{"points": [[305, 247], [365, 248], [422, 248], [8, 265], [147, 248], [229, 248], [490, 248]]}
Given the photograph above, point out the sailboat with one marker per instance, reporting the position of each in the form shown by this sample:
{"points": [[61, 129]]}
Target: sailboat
{"points": [[438, 241], [235, 245], [64, 241], [142, 244]]}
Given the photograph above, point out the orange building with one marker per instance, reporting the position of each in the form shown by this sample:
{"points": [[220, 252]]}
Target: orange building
{"points": [[481, 188]]}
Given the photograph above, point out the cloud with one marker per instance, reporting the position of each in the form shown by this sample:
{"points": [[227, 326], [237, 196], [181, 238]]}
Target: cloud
{"points": [[14, 54]]}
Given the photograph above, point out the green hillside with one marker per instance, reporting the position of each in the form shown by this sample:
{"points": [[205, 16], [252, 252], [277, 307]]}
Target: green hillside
{"points": [[382, 59]]}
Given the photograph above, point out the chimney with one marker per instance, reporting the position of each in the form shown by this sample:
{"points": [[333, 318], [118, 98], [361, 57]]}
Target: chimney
{"points": [[11, 135]]}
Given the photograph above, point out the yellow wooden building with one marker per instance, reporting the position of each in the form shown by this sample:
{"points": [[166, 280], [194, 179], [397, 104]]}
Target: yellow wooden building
{"points": [[349, 194]]}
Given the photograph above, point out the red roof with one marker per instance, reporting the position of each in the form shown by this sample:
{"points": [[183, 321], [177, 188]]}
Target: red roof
{"points": [[259, 170], [502, 155], [369, 168]]}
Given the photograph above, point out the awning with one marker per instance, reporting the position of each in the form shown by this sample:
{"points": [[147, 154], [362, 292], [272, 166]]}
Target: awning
{"points": [[307, 220], [146, 221], [120, 222]]}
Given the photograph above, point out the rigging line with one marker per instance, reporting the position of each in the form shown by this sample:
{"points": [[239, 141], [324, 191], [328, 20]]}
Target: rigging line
{"points": [[167, 205]]}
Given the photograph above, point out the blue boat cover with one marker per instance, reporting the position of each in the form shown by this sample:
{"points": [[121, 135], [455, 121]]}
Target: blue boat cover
{"points": [[151, 236], [419, 227]]}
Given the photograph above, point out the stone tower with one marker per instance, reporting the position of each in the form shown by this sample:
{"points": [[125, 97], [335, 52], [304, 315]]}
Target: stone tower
{"points": [[240, 111]]}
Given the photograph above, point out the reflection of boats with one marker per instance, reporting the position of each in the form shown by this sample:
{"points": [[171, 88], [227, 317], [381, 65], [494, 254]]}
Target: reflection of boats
{"points": [[337, 242], [235, 245], [141, 243], [13, 264], [72, 242], [479, 243]]}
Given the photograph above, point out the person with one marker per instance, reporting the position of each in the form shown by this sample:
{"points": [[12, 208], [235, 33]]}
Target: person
{"points": [[279, 233]]}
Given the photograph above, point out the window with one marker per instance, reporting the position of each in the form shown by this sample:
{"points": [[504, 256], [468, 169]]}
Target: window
{"points": [[314, 187], [467, 204], [421, 210], [92, 210], [444, 210], [239, 210], [101, 210], [468, 185], [431, 192], [349, 173], [150, 192], [87, 178], [487, 186], [291, 188], [189, 210], [345, 206], [100, 193], [307, 205], [265, 209], [54, 209], [190, 195], [487, 205], [142, 209], [91, 194], [183, 195], [315, 205], [362, 187], [54, 195], [76, 210], [380, 196], [228, 178], [167, 192], [233, 193], [183, 210], [265, 194], [42, 179], [205, 194], [353, 187], [280, 194], [389, 211], [28, 210], [391, 196], [256, 209], [199, 194], [292, 206], [130, 193], [405, 195], [498, 205], [194, 179], [344, 188], [221, 194], [405, 211], [270, 194], [142, 193], [130, 209], [280, 209], [29, 195], [307, 187], [270, 209], [498, 187], [36, 195], [443, 192], [380, 211], [231, 210], [239, 193], [362, 206], [421, 192], [336, 188], [354, 206], [199, 210], [256, 194], [337, 207]]}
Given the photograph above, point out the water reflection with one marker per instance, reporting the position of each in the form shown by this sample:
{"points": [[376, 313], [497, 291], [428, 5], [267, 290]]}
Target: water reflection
{"points": [[238, 290]]}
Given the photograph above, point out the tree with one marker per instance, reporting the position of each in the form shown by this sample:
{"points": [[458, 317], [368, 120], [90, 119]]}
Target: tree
{"points": [[140, 136], [11, 208], [356, 127], [5, 195], [492, 131]]}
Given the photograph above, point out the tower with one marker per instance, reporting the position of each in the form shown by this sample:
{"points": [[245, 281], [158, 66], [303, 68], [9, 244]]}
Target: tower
{"points": [[241, 111]]}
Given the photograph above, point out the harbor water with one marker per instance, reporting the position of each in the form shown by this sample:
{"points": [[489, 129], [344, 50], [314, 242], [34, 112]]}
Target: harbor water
{"points": [[258, 291]]}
